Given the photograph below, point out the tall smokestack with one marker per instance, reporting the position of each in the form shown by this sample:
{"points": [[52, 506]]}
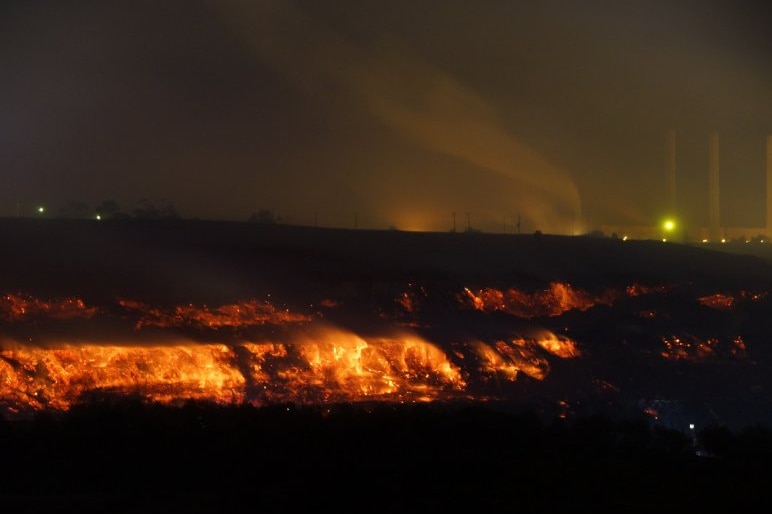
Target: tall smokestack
{"points": [[714, 228], [671, 171], [769, 186]]}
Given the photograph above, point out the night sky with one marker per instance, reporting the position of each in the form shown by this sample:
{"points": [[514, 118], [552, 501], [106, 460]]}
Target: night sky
{"points": [[389, 113]]}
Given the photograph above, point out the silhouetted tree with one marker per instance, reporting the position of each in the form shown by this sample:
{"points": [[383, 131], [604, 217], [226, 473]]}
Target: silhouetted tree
{"points": [[108, 209], [148, 210], [75, 209], [263, 216]]}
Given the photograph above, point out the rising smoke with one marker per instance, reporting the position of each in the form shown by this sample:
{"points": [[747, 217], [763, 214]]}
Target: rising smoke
{"points": [[427, 107]]}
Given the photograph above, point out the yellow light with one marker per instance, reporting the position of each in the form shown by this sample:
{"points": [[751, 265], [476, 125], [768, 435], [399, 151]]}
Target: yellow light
{"points": [[669, 225]]}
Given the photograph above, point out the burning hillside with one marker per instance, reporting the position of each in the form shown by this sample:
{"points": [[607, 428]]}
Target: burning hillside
{"points": [[245, 314], [195, 366]]}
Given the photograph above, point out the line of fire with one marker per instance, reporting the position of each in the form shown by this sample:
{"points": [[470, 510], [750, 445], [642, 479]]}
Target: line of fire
{"points": [[56, 353]]}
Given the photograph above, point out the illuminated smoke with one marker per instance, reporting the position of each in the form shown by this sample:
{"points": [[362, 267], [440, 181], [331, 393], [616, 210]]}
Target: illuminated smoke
{"points": [[425, 105]]}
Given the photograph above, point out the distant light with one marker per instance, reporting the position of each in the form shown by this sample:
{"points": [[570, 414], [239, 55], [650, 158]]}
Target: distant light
{"points": [[723, 240], [691, 426], [624, 238], [41, 209], [669, 225], [664, 240], [98, 216], [704, 240]]}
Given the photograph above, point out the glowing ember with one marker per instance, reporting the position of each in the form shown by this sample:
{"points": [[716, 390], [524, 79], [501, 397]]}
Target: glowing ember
{"points": [[243, 314], [15, 308], [691, 348], [718, 301], [640, 289], [553, 301], [724, 301]]}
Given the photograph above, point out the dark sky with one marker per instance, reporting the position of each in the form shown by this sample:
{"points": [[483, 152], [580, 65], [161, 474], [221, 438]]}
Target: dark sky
{"points": [[386, 113]]}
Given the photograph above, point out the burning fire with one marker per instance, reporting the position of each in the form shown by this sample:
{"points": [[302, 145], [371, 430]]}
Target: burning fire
{"points": [[246, 313], [58, 377], [15, 308], [333, 365], [723, 301], [689, 347], [306, 362], [558, 298], [325, 364]]}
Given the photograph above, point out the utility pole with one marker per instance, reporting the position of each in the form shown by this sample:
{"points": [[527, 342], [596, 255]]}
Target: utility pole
{"points": [[453, 215]]}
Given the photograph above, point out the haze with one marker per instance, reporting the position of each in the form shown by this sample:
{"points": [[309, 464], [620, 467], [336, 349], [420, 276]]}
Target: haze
{"points": [[377, 114]]}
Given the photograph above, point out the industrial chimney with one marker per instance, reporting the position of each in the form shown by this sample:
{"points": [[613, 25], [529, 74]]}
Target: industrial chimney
{"points": [[769, 186], [671, 171], [714, 227]]}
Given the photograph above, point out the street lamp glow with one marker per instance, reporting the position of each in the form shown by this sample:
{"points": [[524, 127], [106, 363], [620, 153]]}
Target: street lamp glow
{"points": [[669, 225]]}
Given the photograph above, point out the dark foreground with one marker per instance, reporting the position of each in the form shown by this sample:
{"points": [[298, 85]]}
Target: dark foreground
{"points": [[126, 456]]}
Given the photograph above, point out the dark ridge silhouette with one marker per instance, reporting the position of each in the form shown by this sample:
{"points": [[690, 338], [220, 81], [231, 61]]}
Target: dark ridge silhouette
{"points": [[200, 260]]}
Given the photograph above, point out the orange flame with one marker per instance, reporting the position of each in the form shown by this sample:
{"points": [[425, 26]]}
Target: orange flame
{"points": [[558, 298], [335, 365], [58, 377], [16, 307], [248, 313], [718, 301], [505, 359]]}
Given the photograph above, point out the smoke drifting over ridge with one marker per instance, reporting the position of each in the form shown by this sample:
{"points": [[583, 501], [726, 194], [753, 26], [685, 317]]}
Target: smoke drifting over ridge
{"points": [[423, 105], [377, 114]]}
